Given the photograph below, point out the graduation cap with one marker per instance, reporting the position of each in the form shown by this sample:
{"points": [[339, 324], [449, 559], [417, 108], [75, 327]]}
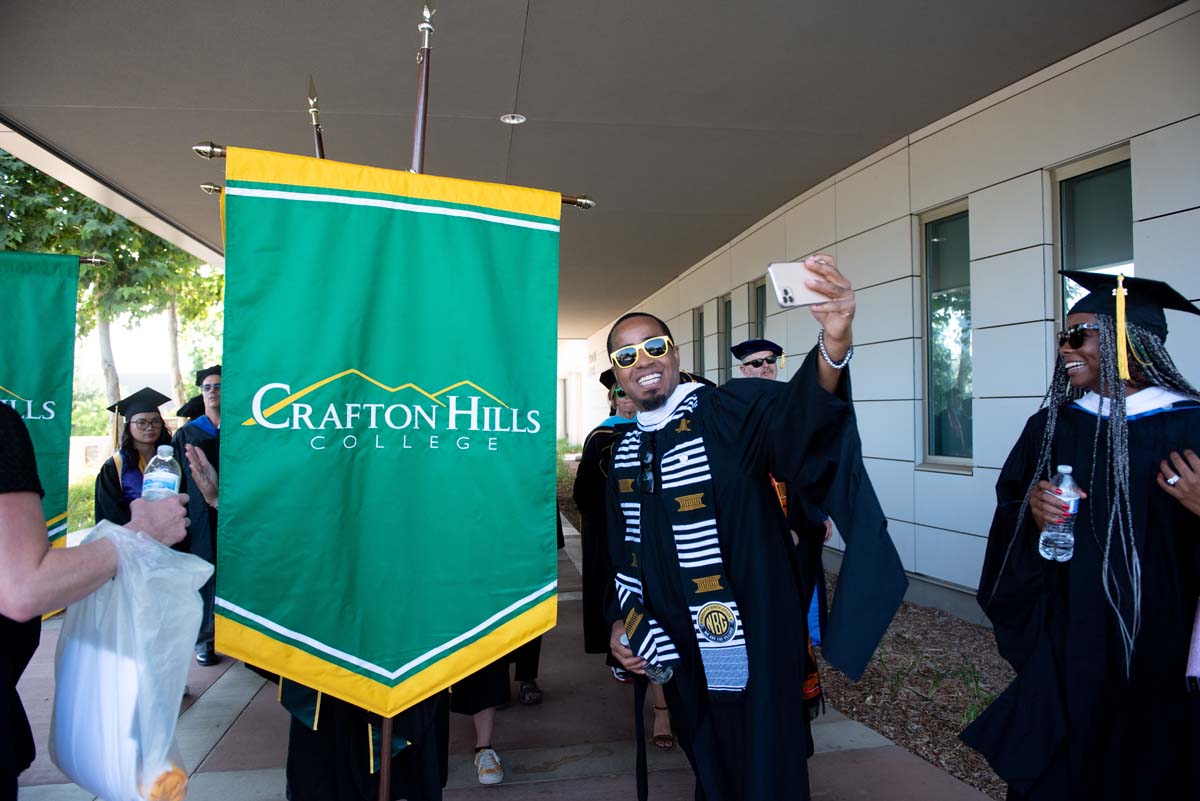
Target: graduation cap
{"points": [[608, 378], [1144, 299], [744, 349], [206, 372], [144, 400], [1140, 301], [192, 409]]}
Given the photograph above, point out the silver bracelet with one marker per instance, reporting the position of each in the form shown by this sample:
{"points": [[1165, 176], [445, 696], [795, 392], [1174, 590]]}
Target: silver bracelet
{"points": [[825, 354]]}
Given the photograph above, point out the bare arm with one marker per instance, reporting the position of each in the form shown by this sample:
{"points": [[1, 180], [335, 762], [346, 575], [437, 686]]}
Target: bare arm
{"points": [[35, 578], [836, 316]]}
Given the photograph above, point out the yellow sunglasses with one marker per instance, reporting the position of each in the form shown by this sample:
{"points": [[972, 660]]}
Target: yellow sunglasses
{"points": [[655, 348]]}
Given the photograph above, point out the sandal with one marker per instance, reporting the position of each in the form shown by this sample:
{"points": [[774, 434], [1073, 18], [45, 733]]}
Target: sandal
{"points": [[529, 693], [663, 741]]}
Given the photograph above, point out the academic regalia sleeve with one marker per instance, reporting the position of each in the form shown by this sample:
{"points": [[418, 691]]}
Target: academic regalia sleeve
{"points": [[808, 437], [110, 503], [590, 484], [871, 581], [1011, 586], [616, 549]]}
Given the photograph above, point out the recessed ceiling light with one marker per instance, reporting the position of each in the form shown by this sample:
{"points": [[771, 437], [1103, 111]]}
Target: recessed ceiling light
{"points": [[512, 119]]}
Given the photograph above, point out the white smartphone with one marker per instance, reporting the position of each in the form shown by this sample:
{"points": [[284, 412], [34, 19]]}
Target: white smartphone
{"points": [[788, 278]]}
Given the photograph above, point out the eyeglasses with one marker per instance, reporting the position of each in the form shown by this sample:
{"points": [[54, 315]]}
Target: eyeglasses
{"points": [[146, 425], [618, 392], [756, 363], [209, 387], [655, 348], [645, 479], [1076, 335]]}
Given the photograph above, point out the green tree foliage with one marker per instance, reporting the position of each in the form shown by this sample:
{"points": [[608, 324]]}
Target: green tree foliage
{"points": [[143, 274], [89, 417]]}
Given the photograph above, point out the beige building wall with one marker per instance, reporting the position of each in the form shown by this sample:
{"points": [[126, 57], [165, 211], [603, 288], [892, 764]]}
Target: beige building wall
{"points": [[1140, 91]]}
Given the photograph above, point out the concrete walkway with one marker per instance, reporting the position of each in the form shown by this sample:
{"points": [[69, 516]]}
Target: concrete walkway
{"points": [[578, 744]]}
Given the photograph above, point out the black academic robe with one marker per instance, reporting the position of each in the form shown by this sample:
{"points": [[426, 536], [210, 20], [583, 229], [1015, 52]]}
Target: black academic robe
{"points": [[751, 746], [591, 484], [337, 761], [1071, 725], [111, 503], [202, 530]]}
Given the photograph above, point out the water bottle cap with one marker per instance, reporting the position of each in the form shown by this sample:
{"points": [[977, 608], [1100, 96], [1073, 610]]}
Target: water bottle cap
{"points": [[1065, 469], [166, 452]]}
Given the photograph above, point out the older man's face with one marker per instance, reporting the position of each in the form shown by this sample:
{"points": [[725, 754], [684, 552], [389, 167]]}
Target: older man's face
{"points": [[649, 381], [764, 369], [210, 389]]}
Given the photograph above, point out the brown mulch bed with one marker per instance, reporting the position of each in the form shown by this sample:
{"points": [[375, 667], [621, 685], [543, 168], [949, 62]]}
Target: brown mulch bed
{"points": [[931, 675]]}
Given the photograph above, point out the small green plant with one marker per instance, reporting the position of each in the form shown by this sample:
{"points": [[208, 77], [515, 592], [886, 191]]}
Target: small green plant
{"points": [[979, 699]]}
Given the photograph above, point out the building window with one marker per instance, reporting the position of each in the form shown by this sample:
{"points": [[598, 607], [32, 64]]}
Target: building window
{"points": [[948, 338], [758, 308], [1095, 223], [698, 341], [724, 332]]}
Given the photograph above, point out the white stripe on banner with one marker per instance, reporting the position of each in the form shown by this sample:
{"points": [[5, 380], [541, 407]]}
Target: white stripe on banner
{"points": [[362, 663], [59, 529], [347, 200]]}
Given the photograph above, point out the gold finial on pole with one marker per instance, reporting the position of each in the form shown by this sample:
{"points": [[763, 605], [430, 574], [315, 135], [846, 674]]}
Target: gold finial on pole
{"points": [[209, 150]]}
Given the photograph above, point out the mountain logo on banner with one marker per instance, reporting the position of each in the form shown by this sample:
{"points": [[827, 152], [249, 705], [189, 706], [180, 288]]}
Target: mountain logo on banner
{"points": [[28, 409], [452, 417]]}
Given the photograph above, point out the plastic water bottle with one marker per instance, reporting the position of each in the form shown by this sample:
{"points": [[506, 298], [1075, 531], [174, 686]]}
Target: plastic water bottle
{"points": [[657, 674], [162, 475], [1058, 539]]}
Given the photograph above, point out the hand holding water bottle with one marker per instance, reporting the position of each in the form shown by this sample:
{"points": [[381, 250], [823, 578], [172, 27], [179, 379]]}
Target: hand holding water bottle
{"points": [[1057, 539], [1046, 504], [162, 476]]}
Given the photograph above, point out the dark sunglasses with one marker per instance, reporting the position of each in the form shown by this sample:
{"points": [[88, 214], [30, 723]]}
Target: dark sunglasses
{"points": [[756, 363], [1076, 335], [655, 348], [618, 392], [645, 479]]}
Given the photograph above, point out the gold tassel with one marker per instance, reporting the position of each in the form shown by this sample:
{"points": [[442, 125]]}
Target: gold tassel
{"points": [[317, 712], [1122, 339]]}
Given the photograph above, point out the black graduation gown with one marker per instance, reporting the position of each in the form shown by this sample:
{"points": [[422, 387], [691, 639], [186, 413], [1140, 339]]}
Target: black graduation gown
{"points": [[332, 763], [591, 483], [1071, 726], [202, 532], [753, 748], [111, 503]]}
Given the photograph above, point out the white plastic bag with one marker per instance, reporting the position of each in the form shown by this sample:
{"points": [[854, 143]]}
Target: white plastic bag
{"points": [[120, 670]]}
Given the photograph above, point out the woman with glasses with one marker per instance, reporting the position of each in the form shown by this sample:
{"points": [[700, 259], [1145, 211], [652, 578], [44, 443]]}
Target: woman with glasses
{"points": [[1099, 636], [119, 482]]}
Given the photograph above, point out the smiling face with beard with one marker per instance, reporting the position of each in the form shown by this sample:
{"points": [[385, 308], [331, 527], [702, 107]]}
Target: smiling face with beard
{"points": [[649, 381]]}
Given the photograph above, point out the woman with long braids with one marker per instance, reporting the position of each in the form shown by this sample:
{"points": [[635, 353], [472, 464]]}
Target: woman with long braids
{"points": [[1100, 707]]}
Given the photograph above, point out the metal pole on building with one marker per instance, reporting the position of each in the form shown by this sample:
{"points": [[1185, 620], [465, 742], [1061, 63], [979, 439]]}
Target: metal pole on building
{"points": [[420, 120], [315, 113]]}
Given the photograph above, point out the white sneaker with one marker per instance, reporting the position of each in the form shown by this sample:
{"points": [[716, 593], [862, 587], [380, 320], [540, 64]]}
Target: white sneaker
{"points": [[487, 763]]}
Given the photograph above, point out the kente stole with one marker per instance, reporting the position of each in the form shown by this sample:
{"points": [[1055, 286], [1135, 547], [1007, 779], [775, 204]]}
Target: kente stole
{"points": [[675, 455]]}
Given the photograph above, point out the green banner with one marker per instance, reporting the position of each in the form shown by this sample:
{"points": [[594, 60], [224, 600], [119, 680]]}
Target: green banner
{"points": [[37, 363], [387, 456]]}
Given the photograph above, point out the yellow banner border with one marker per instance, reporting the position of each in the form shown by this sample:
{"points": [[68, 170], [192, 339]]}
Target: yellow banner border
{"points": [[263, 166], [238, 640]]}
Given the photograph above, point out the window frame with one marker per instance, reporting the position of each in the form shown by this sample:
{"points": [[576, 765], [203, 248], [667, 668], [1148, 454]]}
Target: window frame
{"points": [[698, 340], [758, 315], [1064, 172], [724, 337], [929, 461]]}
